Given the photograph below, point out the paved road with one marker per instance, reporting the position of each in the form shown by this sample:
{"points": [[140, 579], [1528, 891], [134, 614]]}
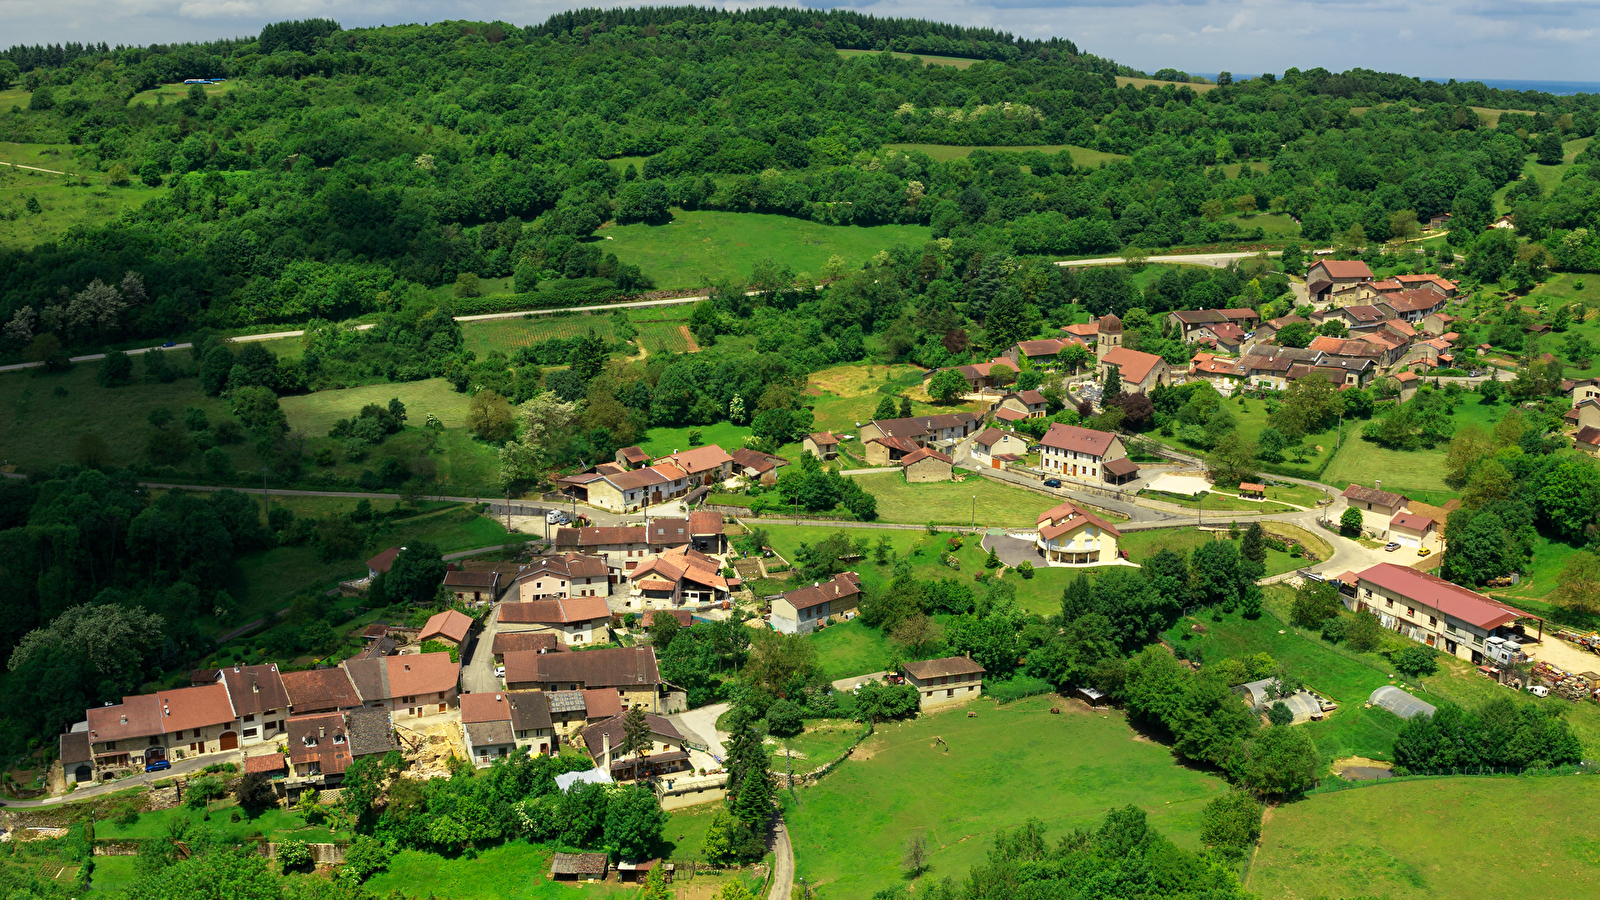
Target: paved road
{"points": [[89, 791], [783, 862], [477, 670], [700, 725], [1214, 260]]}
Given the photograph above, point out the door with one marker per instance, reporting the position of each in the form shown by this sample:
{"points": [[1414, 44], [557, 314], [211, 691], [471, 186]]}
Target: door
{"points": [[155, 753], [229, 740]]}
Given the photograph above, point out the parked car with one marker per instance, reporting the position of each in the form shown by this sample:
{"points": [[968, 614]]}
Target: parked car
{"points": [[499, 671], [1538, 690], [159, 765], [169, 345], [1392, 546], [1052, 482], [1423, 551]]}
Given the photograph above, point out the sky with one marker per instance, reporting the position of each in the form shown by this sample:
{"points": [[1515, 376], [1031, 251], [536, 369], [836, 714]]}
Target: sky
{"points": [[1464, 39]]}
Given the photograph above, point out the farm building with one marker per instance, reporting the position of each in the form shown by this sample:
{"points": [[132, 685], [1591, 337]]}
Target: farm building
{"points": [[1261, 695], [579, 866], [1400, 703]]}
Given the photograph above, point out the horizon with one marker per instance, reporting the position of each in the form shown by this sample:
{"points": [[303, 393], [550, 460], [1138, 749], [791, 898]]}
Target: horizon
{"points": [[1535, 43]]}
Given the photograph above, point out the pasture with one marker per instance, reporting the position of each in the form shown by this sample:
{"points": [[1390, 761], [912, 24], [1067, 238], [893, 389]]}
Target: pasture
{"points": [[955, 62], [844, 395], [169, 93], [1142, 83], [1446, 837], [996, 770], [64, 200], [701, 247], [1081, 156], [953, 502], [316, 413]]}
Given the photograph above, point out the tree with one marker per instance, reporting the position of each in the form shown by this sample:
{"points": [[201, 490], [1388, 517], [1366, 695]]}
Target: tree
{"points": [[634, 822], [547, 428], [636, 736], [785, 718], [1278, 761], [1351, 522], [1416, 661], [255, 793], [1579, 587], [885, 409], [1548, 147], [1113, 382], [655, 886], [116, 370], [1294, 334], [1253, 546], [905, 407], [366, 856], [1280, 714], [1570, 497], [947, 386], [1315, 602], [1363, 632], [1232, 460], [415, 575], [490, 417], [1231, 822], [1076, 356], [915, 858]]}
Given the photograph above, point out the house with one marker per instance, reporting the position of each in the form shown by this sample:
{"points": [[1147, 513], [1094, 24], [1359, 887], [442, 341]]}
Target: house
{"points": [[408, 686], [1226, 375], [887, 450], [1225, 336], [1432, 611], [927, 465], [1251, 490], [706, 533], [983, 376], [757, 466], [621, 546], [579, 866], [1504, 222], [1041, 353], [380, 564], [259, 700], [503, 724], [1373, 290], [801, 611], [914, 432], [1584, 415], [668, 751], [1439, 324], [1588, 440], [1416, 304], [1075, 452], [534, 641], [627, 673], [1583, 389], [1269, 366], [1378, 507], [1429, 282], [77, 759], [450, 628], [992, 448], [173, 724], [1031, 404], [1364, 315], [1345, 371], [1335, 279], [1414, 530], [1438, 221], [574, 620], [708, 464], [1187, 323], [322, 746], [632, 458], [666, 534], [320, 690], [942, 682], [1139, 371], [824, 445], [669, 478], [568, 715], [1246, 319], [473, 588], [673, 579], [1071, 536], [560, 577]]}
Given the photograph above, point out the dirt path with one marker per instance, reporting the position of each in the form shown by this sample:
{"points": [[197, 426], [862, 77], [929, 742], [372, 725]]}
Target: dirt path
{"points": [[783, 865], [30, 168], [689, 338]]}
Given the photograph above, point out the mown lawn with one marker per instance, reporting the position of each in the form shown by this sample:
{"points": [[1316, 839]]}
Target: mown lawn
{"points": [[953, 503], [728, 436], [316, 413], [112, 873], [1251, 420], [996, 770], [275, 824], [1417, 473], [851, 649], [512, 871], [1434, 838], [698, 247]]}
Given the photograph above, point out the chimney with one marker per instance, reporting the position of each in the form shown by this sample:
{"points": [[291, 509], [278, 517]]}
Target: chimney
{"points": [[499, 697], [1377, 485], [322, 731], [605, 751]]}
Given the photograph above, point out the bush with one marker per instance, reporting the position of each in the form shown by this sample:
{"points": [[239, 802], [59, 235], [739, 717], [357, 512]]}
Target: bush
{"points": [[1016, 687], [1415, 661], [1025, 569], [1279, 714], [295, 856], [203, 790], [785, 718], [1350, 522]]}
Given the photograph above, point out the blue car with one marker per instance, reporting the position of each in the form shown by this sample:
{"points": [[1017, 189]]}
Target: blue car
{"points": [[159, 765], [1052, 483], [169, 345]]}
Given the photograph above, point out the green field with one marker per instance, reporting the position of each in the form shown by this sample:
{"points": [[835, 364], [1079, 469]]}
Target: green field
{"points": [[957, 62], [698, 247], [1124, 81], [1006, 765], [507, 335], [64, 200], [512, 871], [851, 649], [822, 741], [112, 873], [1435, 838], [169, 93], [1251, 419], [275, 824], [1081, 156], [665, 333], [728, 436], [316, 413], [1415, 472], [844, 395], [953, 502]]}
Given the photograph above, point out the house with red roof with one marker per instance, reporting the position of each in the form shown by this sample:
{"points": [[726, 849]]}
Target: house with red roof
{"points": [[926, 465], [992, 448], [1025, 404], [1432, 611], [1082, 453], [450, 628], [1414, 530], [1336, 279], [1139, 371], [801, 611], [824, 445], [1069, 535], [576, 620]]}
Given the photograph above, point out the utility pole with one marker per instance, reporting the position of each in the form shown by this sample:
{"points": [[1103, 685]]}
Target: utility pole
{"points": [[265, 499], [974, 523], [508, 510]]}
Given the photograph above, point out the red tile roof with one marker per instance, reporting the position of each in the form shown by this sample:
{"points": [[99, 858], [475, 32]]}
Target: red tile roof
{"points": [[1132, 364], [451, 624], [421, 673], [841, 586], [940, 668], [600, 704], [1413, 521], [559, 611], [1344, 268], [265, 764], [384, 560], [823, 438], [925, 453], [195, 707], [1068, 517], [1082, 440], [698, 459], [1451, 599], [1589, 436]]}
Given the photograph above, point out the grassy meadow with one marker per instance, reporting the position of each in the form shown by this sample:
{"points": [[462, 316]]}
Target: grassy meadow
{"points": [[64, 200], [701, 247], [852, 649], [316, 413], [1081, 156], [996, 770], [953, 502], [1446, 837], [170, 93], [844, 395], [955, 62], [1141, 83]]}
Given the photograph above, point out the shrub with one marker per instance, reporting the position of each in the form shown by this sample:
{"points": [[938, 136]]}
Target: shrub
{"points": [[1025, 569], [1415, 661], [295, 856], [203, 790], [785, 718], [1016, 687], [1279, 714]]}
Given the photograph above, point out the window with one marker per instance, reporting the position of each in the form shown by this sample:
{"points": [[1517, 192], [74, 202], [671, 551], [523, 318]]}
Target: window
{"points": [[249, 732], [249, 717], [1411, 610], [1387, 601], [1433, 621]]}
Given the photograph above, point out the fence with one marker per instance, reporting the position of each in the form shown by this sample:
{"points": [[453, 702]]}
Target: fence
{"points": [[787, 780]]}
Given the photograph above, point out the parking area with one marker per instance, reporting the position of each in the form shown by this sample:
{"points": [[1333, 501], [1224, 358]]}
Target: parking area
{"points": [[1013, 551]]}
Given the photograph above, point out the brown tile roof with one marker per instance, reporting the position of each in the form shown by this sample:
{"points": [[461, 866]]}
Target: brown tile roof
{"points": [[1082, 440], [579, 864], [704, 521], [823, 438], [1589, 436], [1199, 316], [599, 535], [1239, 313], [370, 731], [1344, 268], [747, 458], [1414, 300], [698, 459], [255, 689], [486, 580], [317, 689], [1411, 520], [1029, 398], [421, 673], [1121, 466], [1068, 517], [634, 455], [320, 739], [195, 707], [384, 560], [904, 445], [841, 586], [611, 667], [1227, 331], [568, 565], [265, 764], [1344, 346], [667, 532], [1452, 599], [593, 736], [1134, 366], [940, 668], [989, 437], [638, 478], [370, 676], [75, 748], [1007, 414], [1365, 313], [917, 426], [451, 624], [1045, 347], [600, 704], [1373, 495], [558, 611], [925, 453], [134, 717], [510, 641], [1290, 319]]}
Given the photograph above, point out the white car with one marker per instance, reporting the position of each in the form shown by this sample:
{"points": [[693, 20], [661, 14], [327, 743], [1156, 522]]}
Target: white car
{"points": [[1539, 690], [500, 671], [554, 517]]}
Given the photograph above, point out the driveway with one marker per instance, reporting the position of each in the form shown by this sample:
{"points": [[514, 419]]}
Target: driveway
{"points": [[849, 684], [88, 791], [783, 863], [1012, 551], [700, 725], [477, 660]]}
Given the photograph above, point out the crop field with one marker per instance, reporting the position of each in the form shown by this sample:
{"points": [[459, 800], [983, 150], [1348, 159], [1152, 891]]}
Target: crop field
{"points": [[507, 335], [1081, 156], [996, 770], [700, 247], [666, 335], [1445, 837], [957, 62]]}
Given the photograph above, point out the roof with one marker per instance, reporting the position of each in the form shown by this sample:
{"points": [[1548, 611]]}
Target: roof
{"points": [[1110, 324], [370, 677], [1343, 346], [1289, 319], [265, 764], [416, 674], [599, 535], [638, 478], [1414, 300], [557, 611], [1373, 495], [989, 437], [1120, 466], [1365, 313], [320, 689], [1083, 329], [747, 458], [634, 455], [1344, 268], [489, 734], [1413, 521], [195, 707], [678, 564], [823, 438], [1227, 331], [940, 668], [1007, 414], [602, 704], [1451, 599], [457, 578], [1199, 316], [255, 689], [845, 584], [1207, 364], [594, 735], [510, 641], [451, 624], [1400, 702], [1068, 517], [75, 748], [1082, 440], [524, 710], [1133, 365], [1588, 435], [1406, 376], [917, 426], [1252, 486], [611, 667], [370, 731], [320, 739], [568, 565], [1045, 347], [698, 459], [924, 453], [904, 445], [1426, 279], [569, 701], [1029, 398], [384, 560], [134, 717], [1239, 312], [579, 863]]}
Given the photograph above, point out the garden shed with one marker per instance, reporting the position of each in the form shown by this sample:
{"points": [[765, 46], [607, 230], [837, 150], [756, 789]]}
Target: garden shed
{"points": [[1400, 703], [579, 866]]}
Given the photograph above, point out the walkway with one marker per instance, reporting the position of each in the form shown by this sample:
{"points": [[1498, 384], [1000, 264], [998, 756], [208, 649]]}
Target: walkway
{"points": [[783, 862]]}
